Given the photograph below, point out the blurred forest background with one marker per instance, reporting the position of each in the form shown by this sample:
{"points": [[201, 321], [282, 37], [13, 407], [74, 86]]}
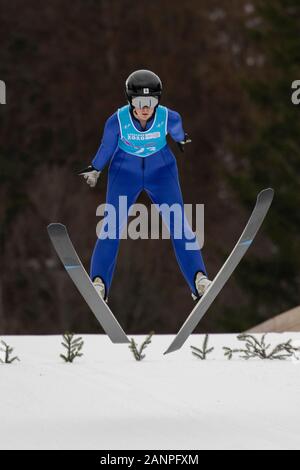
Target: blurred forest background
{"points": [[227, 67]]}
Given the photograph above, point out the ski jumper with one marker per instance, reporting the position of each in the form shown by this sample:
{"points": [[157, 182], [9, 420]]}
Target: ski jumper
{"points": [[142, 160]]}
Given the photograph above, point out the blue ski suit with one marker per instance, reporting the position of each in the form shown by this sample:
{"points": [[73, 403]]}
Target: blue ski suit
{"points": [[130, 173]]}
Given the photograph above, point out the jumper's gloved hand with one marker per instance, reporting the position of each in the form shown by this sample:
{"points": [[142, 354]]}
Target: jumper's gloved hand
{"points": [[90, 175], [182, 143]]}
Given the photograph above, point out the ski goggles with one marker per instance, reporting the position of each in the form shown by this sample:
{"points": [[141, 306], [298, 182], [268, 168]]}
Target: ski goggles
{"points": [[142, 101]]}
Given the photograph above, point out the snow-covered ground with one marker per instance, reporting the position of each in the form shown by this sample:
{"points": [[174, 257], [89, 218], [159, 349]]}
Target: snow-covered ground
{"points": [[107, 400]]}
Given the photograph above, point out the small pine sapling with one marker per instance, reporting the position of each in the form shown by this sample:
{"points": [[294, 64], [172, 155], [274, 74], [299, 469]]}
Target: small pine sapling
{"points": [[7, 354], [202, 353], [255, 348], [138, 352], [73, 347]]}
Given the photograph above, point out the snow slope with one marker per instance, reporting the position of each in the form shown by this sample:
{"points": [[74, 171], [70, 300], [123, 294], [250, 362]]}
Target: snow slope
{"points": [[107, 400]]}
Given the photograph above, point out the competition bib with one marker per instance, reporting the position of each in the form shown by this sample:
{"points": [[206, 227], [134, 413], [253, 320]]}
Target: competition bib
{"points": [[140, 143]]}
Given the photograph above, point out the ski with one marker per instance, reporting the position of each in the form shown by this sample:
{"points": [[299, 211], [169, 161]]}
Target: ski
{"points": [[263, 203], [67, 254]]}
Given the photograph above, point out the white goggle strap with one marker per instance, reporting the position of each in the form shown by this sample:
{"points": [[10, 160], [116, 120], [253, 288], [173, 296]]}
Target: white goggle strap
{"points": [[141, 101]]}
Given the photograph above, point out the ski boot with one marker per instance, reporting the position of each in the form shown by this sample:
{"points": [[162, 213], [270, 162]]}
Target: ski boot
{"points": [[202, 284], [100, 287]]}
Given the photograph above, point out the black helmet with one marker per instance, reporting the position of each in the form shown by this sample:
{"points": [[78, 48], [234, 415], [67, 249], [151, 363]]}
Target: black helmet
{"points": [[143, 83]]}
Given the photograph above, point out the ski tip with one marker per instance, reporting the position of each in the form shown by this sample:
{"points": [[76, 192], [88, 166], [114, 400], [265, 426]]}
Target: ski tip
{"points": [[56, 228], [56, 224], [267, 192]]}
